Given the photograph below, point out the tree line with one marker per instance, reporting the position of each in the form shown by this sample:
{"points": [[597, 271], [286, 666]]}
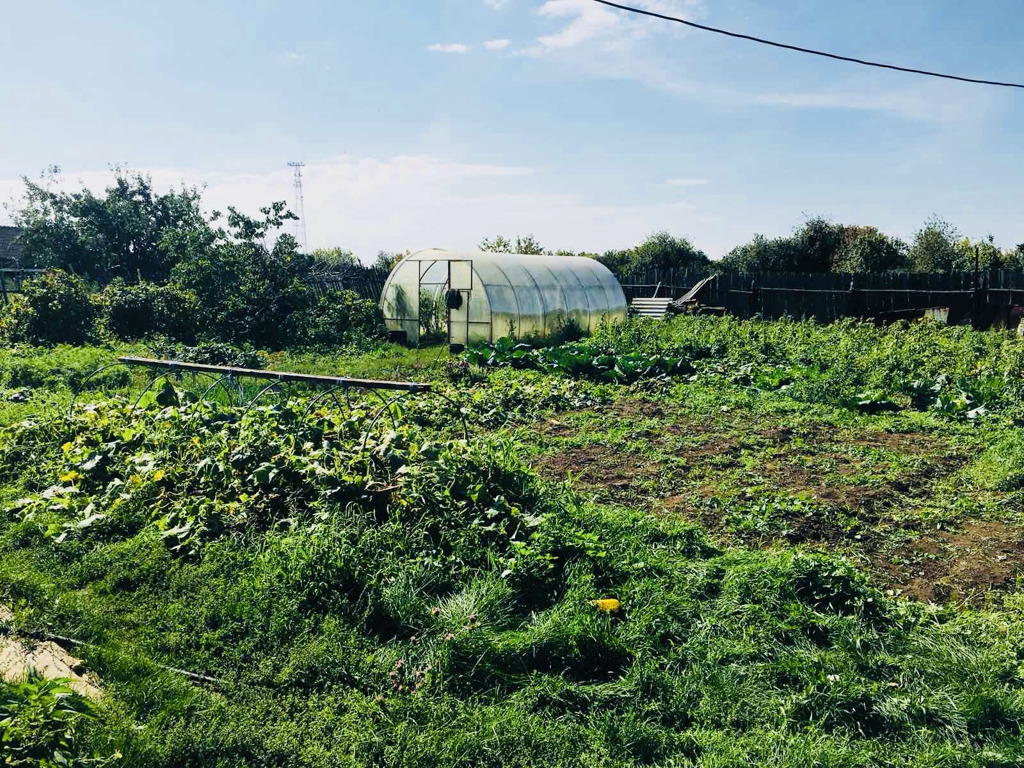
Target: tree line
{"points": [[817, 246], [135, 262], [131, 263]]}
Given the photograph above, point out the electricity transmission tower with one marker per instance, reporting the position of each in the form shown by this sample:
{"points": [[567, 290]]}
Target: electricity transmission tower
{"points": [[300, 205]]}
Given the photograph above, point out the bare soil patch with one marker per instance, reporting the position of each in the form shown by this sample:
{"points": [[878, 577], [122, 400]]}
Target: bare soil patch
{"points": [[961, 565], [855, 475], [734, 449], [599, 466]]}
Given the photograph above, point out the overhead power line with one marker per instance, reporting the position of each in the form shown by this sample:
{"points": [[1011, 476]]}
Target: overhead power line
{"points": [[811, 51]]}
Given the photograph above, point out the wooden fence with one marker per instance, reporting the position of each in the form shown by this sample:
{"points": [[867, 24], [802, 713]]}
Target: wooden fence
{"points": [[368, 282], [984, 298]]}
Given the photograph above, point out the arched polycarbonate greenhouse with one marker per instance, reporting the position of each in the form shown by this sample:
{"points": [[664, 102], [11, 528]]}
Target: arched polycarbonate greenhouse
{"points": [[474, 297]]}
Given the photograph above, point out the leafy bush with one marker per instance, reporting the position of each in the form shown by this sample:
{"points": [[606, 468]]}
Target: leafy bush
{"points": [[336, 319], [136, 311], [214, 353], [583, 359], [39, 721], [59, 366], [952, 370], [54, 308]]}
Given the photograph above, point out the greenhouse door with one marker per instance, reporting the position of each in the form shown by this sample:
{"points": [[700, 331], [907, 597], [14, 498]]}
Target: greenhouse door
{"points": [[460, 289]]}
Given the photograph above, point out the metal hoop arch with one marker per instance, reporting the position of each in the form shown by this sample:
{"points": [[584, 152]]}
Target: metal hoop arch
{"points": [[376, 418], [344, 388], [82, 383], [458, 410], [176, 375], [202, 398], [258, 395]]}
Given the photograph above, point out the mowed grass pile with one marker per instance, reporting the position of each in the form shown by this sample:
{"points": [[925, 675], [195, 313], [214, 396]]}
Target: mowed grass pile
{"points": [[391, 596]]}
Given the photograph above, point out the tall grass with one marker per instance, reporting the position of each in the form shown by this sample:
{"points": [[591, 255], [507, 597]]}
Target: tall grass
{"points": [[428, 602]]}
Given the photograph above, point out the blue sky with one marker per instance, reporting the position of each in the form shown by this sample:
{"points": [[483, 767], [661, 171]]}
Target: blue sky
{"points": [[439, 122]]}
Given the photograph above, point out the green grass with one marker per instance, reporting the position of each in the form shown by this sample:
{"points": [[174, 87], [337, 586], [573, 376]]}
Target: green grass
{"points": [[426, 601]]}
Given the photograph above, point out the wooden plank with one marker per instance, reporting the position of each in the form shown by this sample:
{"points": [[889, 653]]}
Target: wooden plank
{"points": [[691, 295], [256, 373]]}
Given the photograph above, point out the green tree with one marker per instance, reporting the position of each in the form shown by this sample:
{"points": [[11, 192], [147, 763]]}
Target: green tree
{"points": [[868, 250], [1014, 259], [336, 258], [661, 251], [664, 251], [621, 263], [523, 244], [989, 255], [387, 260], [814, 247], [121, 233], [759, 255], [584, 254], [937, 247], [247, 288], [820, 246]]}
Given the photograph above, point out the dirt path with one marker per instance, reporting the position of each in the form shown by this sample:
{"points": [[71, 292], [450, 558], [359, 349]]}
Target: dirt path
{"points": [[19, 655]]}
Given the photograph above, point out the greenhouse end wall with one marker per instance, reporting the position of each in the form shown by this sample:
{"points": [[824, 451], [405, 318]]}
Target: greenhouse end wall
{"points": [[481, 296]]}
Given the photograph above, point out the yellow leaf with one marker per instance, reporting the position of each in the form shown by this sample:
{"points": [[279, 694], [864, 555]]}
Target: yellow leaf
{"points": [[607, 604], [66, 447], [158, 475]]}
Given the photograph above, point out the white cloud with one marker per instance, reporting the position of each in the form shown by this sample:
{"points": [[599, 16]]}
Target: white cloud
{"points": [[448, 48], [370, 204], [497, 45], [496, 4], [610, 43], [593, 22], [588, 20], [686, 182], [923, 100]]}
